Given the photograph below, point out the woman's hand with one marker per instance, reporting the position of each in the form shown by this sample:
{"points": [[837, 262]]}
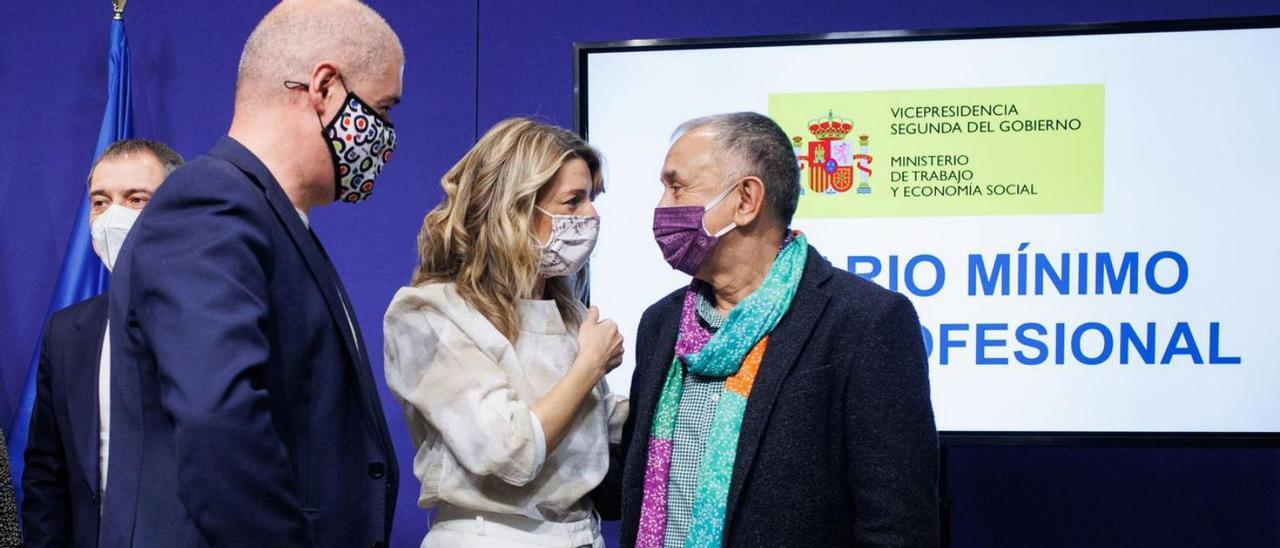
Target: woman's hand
{"points": [[599, 351], [599, 344]]}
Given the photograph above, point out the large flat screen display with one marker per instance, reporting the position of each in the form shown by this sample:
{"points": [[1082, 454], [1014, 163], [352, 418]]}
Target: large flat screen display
{"points": [[1086, 218]]}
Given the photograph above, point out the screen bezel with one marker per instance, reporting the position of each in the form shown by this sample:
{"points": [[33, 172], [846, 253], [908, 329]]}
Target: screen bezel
{"points": [[583, 50]]}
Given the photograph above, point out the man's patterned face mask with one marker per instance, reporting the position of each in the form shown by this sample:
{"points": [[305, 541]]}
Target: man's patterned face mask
{"points": [[360, 143]]}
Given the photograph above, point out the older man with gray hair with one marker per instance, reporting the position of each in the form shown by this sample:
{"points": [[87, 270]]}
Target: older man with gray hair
{"points": [[243, 408], [777, 401]]}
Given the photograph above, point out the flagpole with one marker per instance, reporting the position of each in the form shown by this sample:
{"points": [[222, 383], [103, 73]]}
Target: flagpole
{"points": [[118, 6]]}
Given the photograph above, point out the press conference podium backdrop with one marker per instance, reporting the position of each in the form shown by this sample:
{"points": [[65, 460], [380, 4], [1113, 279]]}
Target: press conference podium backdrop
{"points": [[1083, 216]]}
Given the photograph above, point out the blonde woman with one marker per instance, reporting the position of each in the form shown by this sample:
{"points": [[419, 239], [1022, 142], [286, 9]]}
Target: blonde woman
{"points": [[499, 368]]}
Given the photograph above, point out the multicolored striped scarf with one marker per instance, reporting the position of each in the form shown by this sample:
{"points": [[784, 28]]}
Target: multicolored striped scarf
{"points": [[734, 351]]}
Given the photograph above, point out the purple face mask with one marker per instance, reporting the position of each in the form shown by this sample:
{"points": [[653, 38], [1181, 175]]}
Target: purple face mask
{"points": [[682, 236]]}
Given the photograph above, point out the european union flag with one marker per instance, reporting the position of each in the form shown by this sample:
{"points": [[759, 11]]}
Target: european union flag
{"points": [[82, 275]]}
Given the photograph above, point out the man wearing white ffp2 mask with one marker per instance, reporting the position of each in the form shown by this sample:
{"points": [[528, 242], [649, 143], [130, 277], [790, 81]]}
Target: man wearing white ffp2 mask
{"points": [[109, 229], [67, 450]]}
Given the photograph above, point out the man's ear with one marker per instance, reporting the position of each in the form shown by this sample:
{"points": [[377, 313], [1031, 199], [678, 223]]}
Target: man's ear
{"points": [[323, 85], [751, 200]]}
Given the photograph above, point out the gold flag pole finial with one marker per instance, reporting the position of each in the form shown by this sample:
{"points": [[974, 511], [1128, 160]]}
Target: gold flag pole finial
{"points": [[119, 7]]}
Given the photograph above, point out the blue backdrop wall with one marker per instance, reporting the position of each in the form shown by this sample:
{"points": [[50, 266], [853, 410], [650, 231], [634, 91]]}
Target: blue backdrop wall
{"points": [[473, 62]]}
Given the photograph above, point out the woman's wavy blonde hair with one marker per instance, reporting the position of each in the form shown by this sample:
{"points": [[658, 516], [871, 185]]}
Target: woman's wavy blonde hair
{"points": [[480, 236]]}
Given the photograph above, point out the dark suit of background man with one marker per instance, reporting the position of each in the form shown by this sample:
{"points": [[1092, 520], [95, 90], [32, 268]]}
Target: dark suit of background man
{"points": [[243, 408], [65, 459], [837, 444]]}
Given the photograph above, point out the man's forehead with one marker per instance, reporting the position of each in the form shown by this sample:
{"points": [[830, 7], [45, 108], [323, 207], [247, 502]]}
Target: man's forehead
{"points": [[698, 136], [396, 79], [691, 151], [386, 87], [132, 170]]}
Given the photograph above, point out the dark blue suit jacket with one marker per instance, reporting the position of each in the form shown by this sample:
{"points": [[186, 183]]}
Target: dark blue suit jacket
{"points": [[243, 408], [60, 481], [838, 445]]}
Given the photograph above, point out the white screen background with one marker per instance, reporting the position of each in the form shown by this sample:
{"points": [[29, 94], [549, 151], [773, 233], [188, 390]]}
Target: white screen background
{"points": [[1189, 165]]}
